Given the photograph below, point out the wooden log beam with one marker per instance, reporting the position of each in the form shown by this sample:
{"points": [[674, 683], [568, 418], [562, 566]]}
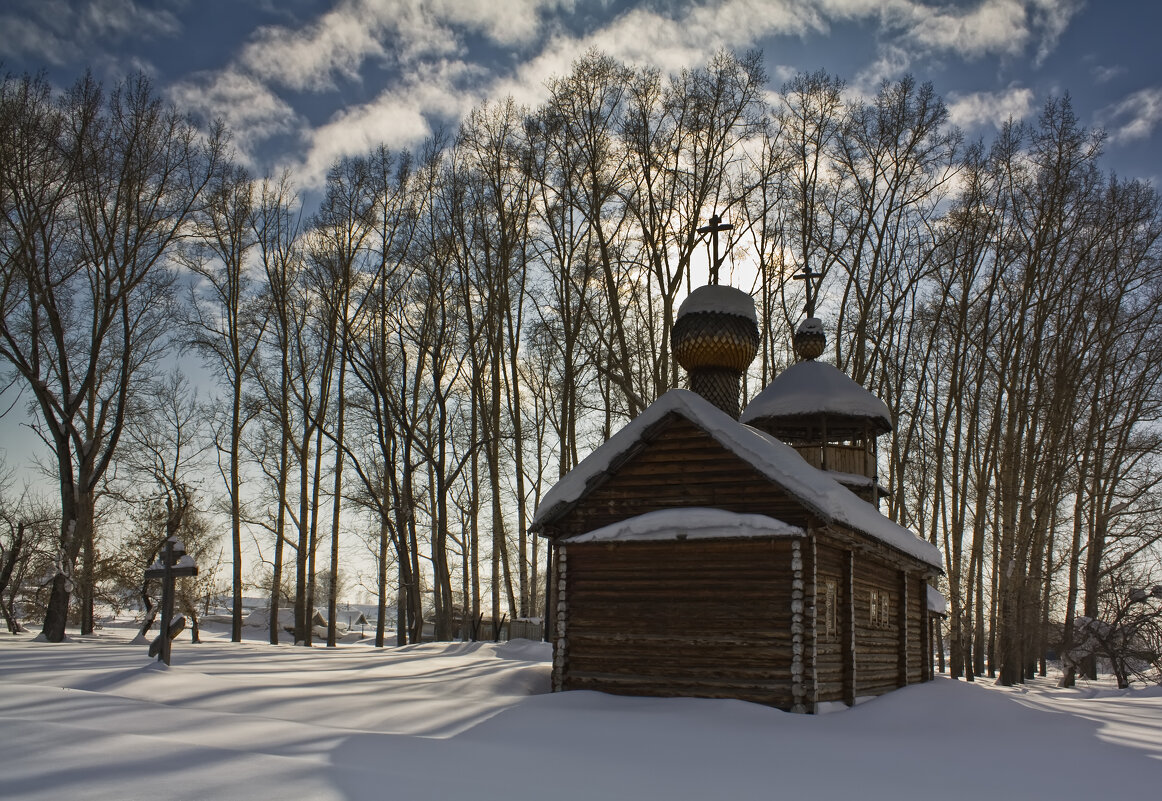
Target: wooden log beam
{"points": [[902, 629], [848, 628]]}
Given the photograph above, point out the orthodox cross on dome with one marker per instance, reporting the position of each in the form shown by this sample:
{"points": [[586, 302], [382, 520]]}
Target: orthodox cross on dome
{"points": [[716, 225], [808, 278]]}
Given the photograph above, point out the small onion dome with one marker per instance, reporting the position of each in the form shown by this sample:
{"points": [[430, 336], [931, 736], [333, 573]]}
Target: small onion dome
{"points": [[810, 397], [810, 339], [716, 327]]}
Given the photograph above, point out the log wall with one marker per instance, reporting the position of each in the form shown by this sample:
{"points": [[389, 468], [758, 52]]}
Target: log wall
{"points": [[917, 630], [829, 648], [877, 635], [855, 459], [706, 618], [682, 466], [726, 618], [887, 646]]}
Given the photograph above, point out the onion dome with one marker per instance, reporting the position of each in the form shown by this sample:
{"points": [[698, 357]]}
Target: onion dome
{"points": [[810, 339], [715, 337]]}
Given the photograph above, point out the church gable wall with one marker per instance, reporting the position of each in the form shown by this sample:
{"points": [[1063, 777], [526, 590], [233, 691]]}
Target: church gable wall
{"points": [[680, 466]]}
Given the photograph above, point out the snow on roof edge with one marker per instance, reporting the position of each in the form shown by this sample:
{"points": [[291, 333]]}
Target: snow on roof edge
{"points": [[692, 522], [936, 601], [776, 460]]}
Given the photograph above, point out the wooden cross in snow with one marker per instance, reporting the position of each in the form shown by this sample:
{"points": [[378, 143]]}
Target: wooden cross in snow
{"points": [[172, 563]]}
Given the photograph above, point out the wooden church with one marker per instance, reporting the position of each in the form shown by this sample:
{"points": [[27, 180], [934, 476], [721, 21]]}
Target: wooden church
{"points": [[699, 554]]}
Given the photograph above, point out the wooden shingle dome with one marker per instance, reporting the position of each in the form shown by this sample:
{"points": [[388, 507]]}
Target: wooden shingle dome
{"points": [[715, 337]]}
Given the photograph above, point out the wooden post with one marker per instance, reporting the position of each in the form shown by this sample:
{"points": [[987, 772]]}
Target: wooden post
{"points": [[560, 644], [167, 592], [925, 626], [550, 611], [902, 632], [823, 460], [939, 634], [813, 673], [797, 631], [848, 633]]}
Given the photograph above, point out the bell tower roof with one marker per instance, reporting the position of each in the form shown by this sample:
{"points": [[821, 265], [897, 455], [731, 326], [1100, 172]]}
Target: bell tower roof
{"points": [[811, 397]]}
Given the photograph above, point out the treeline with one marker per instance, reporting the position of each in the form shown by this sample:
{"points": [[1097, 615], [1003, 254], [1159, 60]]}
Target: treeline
{"points": [[422, 355]]}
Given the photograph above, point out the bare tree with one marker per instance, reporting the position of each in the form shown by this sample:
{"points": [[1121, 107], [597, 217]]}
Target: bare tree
{"points": [[26, 548], [97, 190], [166, 441], [276, 226], [228, 324], [341, 230]]}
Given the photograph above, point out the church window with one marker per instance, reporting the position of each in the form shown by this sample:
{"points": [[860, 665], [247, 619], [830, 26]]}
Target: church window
{"points": [[880, 608], [830, 609]]}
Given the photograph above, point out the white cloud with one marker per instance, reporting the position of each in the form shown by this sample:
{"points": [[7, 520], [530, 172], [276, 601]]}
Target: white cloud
{"points": [[25, 37], [513, 22], [908, 29], [992, 27], [338, 42], [892, 61], [1104, 74], [1052, 17], [990, 108], [1134, 116], [115, 20], [59, 31], [781, 73], [424, 43], [397, 118], [399, 32], [250, 110], [645, 37]]}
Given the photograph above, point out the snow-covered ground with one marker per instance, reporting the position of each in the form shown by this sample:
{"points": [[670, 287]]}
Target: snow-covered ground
{"points": [[94, 718]]}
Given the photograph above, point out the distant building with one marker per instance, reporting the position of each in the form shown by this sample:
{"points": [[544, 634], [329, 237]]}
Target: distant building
{"points": [[697, 555]]}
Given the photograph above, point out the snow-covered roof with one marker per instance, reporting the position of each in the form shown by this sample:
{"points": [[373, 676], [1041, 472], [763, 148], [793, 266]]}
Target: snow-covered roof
{"points": [[812, 325], [814, 388], [695, 523], [719, 298], [185, 560], [856, 480], [779, 462], [936, 602]]}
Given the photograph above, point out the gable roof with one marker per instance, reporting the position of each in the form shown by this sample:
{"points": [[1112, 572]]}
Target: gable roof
{"points": [[780, 463]]}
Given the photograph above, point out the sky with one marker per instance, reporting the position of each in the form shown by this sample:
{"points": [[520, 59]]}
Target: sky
{"points": [[302, 82], [95, 718]]}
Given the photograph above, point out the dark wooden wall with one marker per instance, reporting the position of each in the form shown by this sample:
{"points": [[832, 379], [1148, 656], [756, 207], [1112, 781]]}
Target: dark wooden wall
{"points": [[918, 647], [829, 566], [888, 654], [706, 618], [713, 617], [877, 647]]}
